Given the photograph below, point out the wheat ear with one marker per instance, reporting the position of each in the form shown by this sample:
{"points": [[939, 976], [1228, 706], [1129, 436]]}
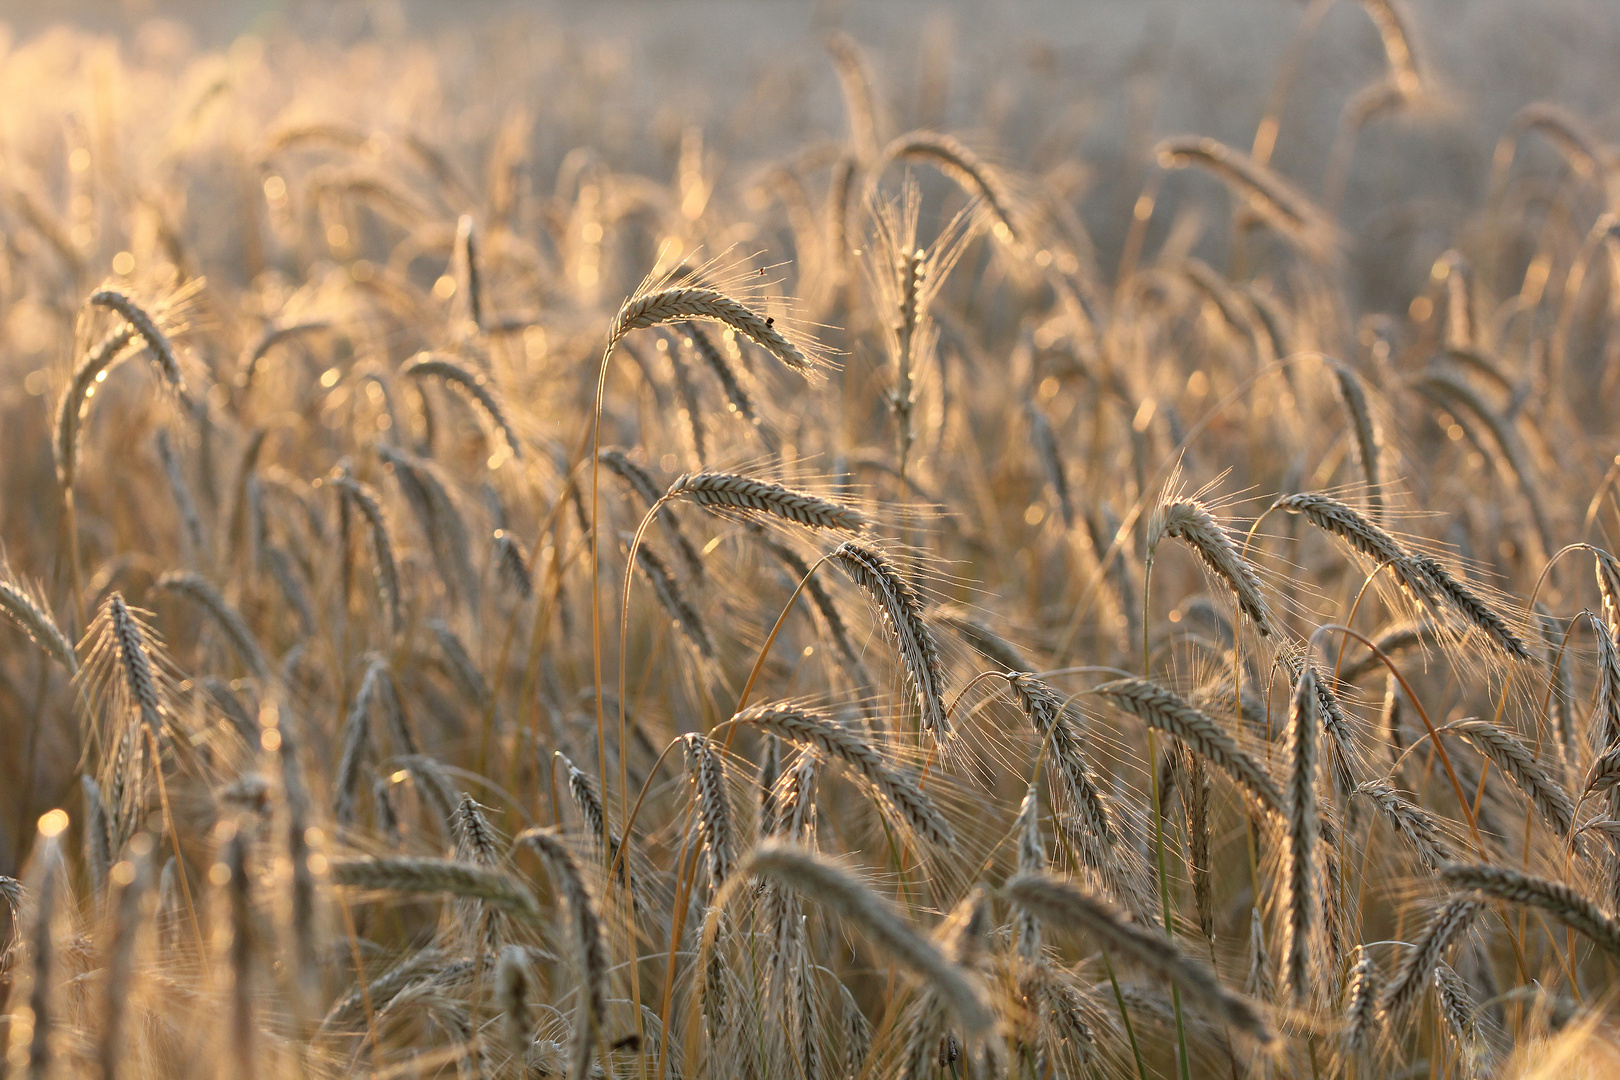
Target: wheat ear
{"points": [[856, 904], [474, 385], [1189, 521], [744, 493], [681, 302], [1446, 926], [902, 615], [1063, 905], [1554, 897], [810, 727], [26, 607], [1166, 711]]}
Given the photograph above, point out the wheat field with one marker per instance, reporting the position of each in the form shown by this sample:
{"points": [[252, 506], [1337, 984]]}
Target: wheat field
{"points": [[519, 564]]}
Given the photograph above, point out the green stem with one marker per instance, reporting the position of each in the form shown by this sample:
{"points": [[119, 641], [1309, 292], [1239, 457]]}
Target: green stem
{"points": [[1184, 1064], [1125, 1017]]}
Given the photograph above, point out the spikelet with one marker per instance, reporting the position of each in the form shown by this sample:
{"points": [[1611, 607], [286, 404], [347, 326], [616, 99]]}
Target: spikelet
{"points": [[1031, 860], [196, 545], [1260, 985], [127, 638]]}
